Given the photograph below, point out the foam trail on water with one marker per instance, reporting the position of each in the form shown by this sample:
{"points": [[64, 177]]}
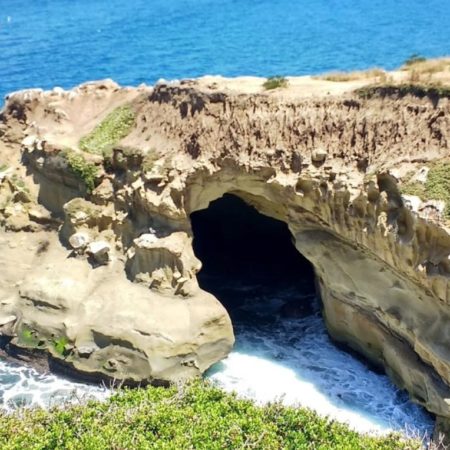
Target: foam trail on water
{"points": [[24, 386], [294, 360]]}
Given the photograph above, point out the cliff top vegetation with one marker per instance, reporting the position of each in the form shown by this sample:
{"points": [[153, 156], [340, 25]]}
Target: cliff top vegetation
{"points": [[196, 416]]}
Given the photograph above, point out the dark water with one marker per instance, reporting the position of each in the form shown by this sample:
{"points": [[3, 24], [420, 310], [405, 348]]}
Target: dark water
{"points": [[44, 43]]}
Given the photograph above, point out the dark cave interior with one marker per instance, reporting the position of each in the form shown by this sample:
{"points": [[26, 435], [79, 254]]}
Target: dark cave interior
{"points": [[240, 246]]}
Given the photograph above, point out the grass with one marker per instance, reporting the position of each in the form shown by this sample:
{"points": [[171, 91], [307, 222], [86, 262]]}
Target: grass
{"points": [[275, 82], [421, 65], [3, 167], [427, 71], [423, 78], [436, 187], [109, 132], [196, 416], [83, 169], [353, 76]]}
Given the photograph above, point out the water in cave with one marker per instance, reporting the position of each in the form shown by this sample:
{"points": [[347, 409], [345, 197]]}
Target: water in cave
{"points": [[282, 349]]}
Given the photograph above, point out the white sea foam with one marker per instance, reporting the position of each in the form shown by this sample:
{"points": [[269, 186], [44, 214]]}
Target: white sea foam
{"points": [[293, 360], [24, 386]]}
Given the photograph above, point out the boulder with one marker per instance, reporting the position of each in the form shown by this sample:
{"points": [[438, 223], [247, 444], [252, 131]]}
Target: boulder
{"points": [[99, 251], [79, 241], [319, 155]]}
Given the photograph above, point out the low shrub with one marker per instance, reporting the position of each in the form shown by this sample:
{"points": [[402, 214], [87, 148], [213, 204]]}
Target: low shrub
{"points": [[109, 132], [275, 82], [420, 90], [85, 170], [436, 187], [414, 59], [194, 416]]}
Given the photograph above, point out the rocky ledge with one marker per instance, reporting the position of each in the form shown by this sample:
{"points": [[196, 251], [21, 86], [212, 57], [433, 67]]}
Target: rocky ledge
{"points": [[97, 185]]}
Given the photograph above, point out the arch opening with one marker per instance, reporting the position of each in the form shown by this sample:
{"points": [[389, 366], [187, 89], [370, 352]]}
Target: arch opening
{"points": [[242, 249], [282, 348]]}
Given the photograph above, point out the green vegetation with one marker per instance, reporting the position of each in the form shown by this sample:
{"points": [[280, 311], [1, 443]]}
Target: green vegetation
{"points": [[109, 132], [275, 82], [60, 345], [401, 90], [28, 338], [3, 167], [437, 186], [197, 416], [85, 170]]}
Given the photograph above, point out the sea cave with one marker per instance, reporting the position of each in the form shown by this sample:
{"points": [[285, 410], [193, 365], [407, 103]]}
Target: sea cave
{"points": [[283, 350]]}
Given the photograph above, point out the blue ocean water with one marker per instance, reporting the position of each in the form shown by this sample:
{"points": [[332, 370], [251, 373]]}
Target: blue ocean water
{"points": [[44, 43]]}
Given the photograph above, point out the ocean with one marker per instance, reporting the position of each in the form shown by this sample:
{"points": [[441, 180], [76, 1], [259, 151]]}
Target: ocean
{"points": [[47, 43]]}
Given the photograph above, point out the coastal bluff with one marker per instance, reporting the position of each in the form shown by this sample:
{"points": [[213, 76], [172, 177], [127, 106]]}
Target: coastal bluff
{"points": [[97, 185]]}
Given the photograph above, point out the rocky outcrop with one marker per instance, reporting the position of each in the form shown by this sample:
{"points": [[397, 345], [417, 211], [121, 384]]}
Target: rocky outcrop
{"points": [[119, 287]]}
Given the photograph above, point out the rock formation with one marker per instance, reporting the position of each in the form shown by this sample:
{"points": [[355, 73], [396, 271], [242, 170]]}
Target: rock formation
{"points": [[96, 252]]}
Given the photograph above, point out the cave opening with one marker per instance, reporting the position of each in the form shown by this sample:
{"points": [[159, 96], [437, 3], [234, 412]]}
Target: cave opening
{"points": [[247, 254]]}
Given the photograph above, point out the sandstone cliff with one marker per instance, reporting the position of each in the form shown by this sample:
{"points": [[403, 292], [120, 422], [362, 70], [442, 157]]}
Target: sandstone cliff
{"points": [[96, 249]]}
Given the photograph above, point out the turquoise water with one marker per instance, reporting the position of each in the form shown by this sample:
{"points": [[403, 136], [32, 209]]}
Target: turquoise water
{"points": [[44, 43]]}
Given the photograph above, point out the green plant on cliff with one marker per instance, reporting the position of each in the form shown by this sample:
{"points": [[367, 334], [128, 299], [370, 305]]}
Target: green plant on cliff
{"points": [[436, 187], [275, 82], [195, 416], [414, 188], [28, 338], [85, 170], [60, 344], [109, 132]]}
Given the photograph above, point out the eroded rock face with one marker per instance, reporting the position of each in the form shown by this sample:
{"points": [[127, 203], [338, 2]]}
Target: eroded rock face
{"points": [[330, 167]]}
